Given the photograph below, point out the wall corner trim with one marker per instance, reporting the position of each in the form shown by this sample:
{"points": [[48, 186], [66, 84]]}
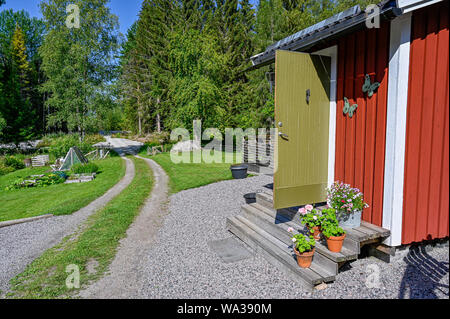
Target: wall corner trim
{"points": [[399, 58]]}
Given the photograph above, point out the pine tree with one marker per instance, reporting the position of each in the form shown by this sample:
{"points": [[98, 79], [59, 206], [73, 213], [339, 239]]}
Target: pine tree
{"points": [[270, 20], [158, 18], [21, 105], [19, 56]]}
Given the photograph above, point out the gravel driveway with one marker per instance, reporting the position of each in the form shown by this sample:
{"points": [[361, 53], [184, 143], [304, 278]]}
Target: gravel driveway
{"points": [[21, 244], [181, 264]]}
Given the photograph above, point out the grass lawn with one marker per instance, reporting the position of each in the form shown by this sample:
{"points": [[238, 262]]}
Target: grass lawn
{"points": [[190, 175], [61, 199], [97, 241]]}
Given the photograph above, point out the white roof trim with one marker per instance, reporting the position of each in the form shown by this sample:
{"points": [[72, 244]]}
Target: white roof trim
{"points": [[411, 5]]}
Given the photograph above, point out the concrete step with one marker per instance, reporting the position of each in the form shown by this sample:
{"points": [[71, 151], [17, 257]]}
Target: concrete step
{"points": [[278, 253], [277, 225]]}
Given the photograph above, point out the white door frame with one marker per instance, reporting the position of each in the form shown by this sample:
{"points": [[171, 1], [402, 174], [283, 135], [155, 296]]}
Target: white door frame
{"points": [[333, 53]]}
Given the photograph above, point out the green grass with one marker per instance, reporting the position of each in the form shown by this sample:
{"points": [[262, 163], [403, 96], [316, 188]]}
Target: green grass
{"points": [[190, 175], [98, 240], [61, 199]]}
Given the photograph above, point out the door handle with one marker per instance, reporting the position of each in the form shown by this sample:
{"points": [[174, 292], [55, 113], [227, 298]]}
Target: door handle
{"points": [[282, 135]]}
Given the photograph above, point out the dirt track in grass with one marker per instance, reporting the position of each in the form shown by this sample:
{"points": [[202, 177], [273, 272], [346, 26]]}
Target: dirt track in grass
{"points": [[123, 280]]}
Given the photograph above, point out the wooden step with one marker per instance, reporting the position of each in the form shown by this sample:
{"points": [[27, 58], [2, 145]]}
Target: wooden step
{"points": [[352, 243], [367, 233], [264, 199], [356, 237], [277, 225], [277, 253]]}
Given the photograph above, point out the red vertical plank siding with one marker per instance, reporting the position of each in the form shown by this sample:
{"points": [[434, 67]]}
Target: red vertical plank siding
{"points": [[426, 186], [360, 100], [349, 83], [360, 141], [340, 125], [380, 136], [371, 117]]}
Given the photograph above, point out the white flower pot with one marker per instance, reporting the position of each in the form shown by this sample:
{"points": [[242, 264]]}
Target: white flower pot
{"points": [[349, 220]]}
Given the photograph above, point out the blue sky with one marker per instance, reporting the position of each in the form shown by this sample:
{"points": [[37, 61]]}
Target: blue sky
{"points": [[126, 10]]}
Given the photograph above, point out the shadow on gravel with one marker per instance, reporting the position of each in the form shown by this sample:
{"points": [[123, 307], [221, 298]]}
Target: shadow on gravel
{"points": [[423, 275]]}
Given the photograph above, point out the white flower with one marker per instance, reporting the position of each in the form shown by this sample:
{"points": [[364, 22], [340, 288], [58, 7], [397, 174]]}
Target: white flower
{"points": [[315, 217], [294, 240]]}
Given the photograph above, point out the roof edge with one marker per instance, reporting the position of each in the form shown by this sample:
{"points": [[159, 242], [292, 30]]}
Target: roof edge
{"points": [[326, 30]]}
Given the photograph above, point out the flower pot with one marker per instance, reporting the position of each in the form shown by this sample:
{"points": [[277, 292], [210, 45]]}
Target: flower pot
{"points": [[250, 198], [304, 259], [349, 219], [335, 243], [239, 171], [317, 231]]}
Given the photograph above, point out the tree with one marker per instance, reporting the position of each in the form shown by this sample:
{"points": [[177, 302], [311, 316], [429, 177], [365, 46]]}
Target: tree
{"points": [[195, 91], [78, 62], [135, 92], [158, 18], [187, 59], [2, 2], [21, 105]]}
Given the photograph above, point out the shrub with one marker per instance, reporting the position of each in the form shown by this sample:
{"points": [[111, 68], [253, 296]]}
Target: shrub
{"points": [[92, 139], [88, 168], [5, 169], [61, 144], [13, 162], [44, 181]]}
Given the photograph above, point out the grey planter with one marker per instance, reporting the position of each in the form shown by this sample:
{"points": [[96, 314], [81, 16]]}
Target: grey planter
{"points": [[239, 171], [349, 220]]}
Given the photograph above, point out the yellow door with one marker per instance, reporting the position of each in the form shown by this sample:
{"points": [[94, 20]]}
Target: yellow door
{"points": [[302, 111]]}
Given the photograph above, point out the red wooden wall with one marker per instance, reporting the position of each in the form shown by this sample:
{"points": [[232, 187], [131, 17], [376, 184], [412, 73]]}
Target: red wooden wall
{"points": [[360, 141], [426, 183]]}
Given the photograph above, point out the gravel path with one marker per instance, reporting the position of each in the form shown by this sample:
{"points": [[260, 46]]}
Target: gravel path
{"points": [[181, 264], [124, 146], [22, 243], [124, 278]]}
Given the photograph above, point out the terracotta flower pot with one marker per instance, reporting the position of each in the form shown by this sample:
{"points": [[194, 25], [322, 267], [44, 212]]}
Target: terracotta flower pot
{"points": [[317, 232], [304, 260], [335, 243]]}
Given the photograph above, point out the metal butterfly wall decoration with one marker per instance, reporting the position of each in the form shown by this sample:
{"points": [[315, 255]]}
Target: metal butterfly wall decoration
{"points": [[349, 109], [370, 87]]}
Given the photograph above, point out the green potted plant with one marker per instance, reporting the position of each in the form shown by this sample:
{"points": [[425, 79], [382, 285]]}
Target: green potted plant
{"points": [[333, 233], [304, 248], [312, 219], [348, 203]]}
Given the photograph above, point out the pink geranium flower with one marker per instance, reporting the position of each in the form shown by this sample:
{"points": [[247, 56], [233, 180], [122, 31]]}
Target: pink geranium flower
{"points": [[309, 207], [302, 211]]}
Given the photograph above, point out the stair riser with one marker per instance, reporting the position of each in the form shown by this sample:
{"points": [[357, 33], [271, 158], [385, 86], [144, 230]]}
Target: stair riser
{"points": [[263, 202], [236, 230], [352, 245], [280, 233]]}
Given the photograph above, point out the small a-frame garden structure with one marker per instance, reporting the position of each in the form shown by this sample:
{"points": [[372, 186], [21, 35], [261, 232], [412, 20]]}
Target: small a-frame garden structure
{"points": [[74, 156]]}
